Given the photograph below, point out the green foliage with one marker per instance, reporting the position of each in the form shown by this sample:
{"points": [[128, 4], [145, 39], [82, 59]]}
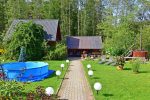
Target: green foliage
{"points": [[10, 90], [116, 21], [145, 36], [57, 53], [29, 35], [118, 38], [136, 65]]}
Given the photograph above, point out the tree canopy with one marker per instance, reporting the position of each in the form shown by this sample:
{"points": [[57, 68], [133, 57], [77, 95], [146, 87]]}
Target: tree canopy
{"points": [[117, 21], [31, 37]]}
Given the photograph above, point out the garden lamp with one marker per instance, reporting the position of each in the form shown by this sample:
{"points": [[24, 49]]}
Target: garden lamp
{"points": [[88, 66], [62, 66], [90, 73], [97, 86], [58, 73], [49, 91], [67, 61]]}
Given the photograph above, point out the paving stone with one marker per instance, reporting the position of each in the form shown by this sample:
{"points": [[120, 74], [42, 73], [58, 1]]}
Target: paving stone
{"points": [[76, 86]]}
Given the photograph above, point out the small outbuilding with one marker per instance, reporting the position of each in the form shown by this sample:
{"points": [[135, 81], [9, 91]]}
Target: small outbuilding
{"points": [[50, 26], [78, 45]]}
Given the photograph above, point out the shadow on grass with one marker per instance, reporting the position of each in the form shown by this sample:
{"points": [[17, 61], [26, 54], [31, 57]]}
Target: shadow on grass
{"points": [[96, 78], [52, 75], [94, 70], [108, 95], [144, 71], [127, 69]]}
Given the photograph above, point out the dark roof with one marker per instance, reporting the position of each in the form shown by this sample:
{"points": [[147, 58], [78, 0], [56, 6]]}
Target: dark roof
{"points": [[49, 26], [84, 42]]}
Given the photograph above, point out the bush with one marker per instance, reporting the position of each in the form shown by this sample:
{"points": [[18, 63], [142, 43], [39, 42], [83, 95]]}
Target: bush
{"points": [[57, 53], [10, 90], [29, 35], [136, 65]]}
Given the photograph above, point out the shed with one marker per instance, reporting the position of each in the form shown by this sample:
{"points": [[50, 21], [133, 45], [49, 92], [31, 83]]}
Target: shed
{"points": [[76, 45], [50, 26]]}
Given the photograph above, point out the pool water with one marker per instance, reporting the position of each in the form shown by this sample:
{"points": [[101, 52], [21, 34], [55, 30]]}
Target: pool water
{"points": [[26, 71]]}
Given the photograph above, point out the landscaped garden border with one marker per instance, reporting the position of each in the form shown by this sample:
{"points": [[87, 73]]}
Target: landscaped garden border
{"points": [[51, 81], [116, 84]]}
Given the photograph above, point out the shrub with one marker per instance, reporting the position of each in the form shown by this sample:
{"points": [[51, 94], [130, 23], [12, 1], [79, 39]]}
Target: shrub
{"points": [[29, 35], [57, 53], [136, 65], [10, 90]]}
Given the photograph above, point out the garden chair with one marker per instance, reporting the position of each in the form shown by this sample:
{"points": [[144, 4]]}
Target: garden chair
{"points": [[114, 63], [103, 59], [111, 60]]}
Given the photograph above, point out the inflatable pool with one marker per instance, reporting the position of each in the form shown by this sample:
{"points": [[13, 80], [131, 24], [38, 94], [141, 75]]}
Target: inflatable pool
{"points": [[26, 71]]}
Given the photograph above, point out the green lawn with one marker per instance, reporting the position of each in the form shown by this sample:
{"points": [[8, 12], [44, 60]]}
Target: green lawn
{"points": [[51, 81], [120, 85]]}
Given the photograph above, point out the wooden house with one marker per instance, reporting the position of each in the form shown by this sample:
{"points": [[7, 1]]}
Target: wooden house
{"points": [[50, 26], [77, 45]]}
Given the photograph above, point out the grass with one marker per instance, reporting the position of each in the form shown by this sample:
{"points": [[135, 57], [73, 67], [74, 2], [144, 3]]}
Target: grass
{"points": [[52, 81], [120, 85]]}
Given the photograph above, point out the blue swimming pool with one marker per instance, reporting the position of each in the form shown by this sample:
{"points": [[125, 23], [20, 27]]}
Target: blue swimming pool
{"points": [[26, 71]]}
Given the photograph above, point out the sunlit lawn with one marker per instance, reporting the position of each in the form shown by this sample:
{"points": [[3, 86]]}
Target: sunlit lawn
{"points": [[52, 81], [120, 85]]}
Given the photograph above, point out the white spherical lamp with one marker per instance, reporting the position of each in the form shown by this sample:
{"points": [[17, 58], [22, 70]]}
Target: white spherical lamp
{"points": [[97, 86], [62, 66], [58, 73], [49, 91], [88, 66], [67, 61], [90, 73]]}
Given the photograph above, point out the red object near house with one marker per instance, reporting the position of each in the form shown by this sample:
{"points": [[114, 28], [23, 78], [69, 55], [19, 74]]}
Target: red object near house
{"points": [[140, 54]]}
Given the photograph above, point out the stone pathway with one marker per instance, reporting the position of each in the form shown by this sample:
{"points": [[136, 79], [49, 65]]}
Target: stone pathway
{"points": [[75, 85]]}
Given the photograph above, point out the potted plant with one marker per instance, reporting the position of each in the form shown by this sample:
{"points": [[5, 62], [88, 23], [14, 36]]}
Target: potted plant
{"points": [[136, 65], [120, 62]]}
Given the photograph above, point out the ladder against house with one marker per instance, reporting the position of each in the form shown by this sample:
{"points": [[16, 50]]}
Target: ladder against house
{"points": [[129, 54]]}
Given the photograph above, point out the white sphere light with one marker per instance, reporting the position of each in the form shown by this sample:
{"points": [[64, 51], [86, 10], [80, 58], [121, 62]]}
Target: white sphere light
{"points": [[88, 66], [67, 61], [58, 73], [97, 86], [46, 0], [62, 65], [28, 0], [90, 72], [49, 91]]}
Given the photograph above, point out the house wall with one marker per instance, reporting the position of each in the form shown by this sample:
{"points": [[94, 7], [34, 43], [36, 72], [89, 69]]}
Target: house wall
{"points": [[79, 52], [58, 35]]}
